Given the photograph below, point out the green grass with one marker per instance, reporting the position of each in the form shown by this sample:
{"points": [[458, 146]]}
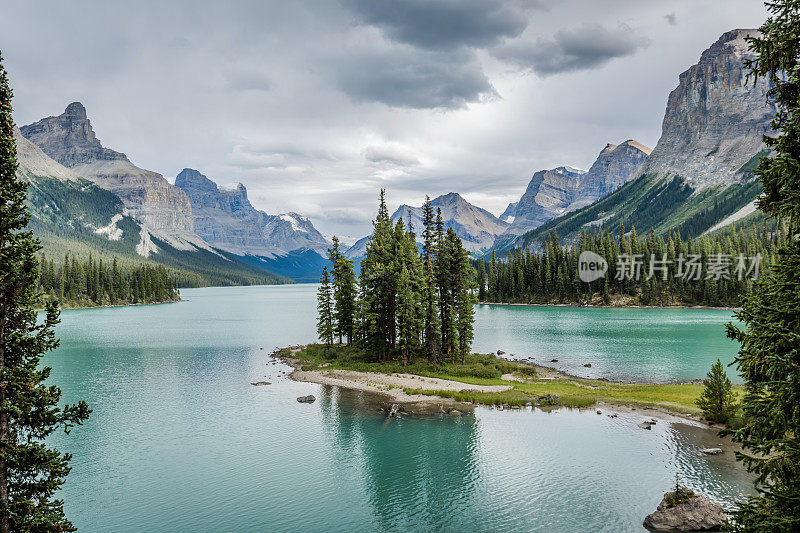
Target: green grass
{"points": [[539, 386]]}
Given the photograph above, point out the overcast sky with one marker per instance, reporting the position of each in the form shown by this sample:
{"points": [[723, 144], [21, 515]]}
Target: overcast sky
{"points": [[316, 105]]}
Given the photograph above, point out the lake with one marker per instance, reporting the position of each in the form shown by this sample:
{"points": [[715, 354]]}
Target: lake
{"points": [[179, 441]]}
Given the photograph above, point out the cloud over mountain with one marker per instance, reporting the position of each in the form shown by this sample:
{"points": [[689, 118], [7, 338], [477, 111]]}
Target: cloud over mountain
{"points": [[582, 48]]}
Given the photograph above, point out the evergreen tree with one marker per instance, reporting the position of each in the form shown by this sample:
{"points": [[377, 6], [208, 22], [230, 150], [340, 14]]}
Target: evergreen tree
{"points": [[769, 358], [335, 278], [406, 315], [30, 472], [344, 293], [430, 293], [481, 280], [345, 298], [325, 328], [465, 300], [378, 285], [717, 400]]}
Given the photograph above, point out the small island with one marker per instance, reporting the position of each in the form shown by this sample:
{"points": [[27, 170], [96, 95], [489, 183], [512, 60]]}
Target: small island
{"points": [[483, 379]]}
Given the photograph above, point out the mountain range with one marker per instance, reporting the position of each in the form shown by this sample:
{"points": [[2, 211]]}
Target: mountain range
{"points": [[701, 171], [476, 227], [87, 197], [64, 159]]}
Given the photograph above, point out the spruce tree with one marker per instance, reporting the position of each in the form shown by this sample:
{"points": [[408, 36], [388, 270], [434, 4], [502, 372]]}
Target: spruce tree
{"points": [[482, 280], [464, 297], [430, 294], [345, 299], [343, 281], [378, 284], [717, 400], [769, 358], [335, 279], [325, 328], [406, 303], [30, 472]]}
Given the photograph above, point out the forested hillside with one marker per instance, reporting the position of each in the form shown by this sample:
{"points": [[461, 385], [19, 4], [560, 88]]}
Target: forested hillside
{"points": [[712, 270], [92, 283], [648, 201], [79, 218]]}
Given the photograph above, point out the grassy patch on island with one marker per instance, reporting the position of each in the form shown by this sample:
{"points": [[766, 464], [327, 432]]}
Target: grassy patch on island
{"points": [[535, 385]]}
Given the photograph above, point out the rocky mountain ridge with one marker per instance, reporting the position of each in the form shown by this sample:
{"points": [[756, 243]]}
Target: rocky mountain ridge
{"points": [[715, 117], [552, 193], [701, 171], [614, 167], [476, 227], [162, 208], [226, 219]]}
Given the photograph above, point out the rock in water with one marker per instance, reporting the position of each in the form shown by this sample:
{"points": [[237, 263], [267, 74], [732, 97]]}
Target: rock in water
{"points": [[307, 399], [693, 513], [393, 410], [711, 451]]}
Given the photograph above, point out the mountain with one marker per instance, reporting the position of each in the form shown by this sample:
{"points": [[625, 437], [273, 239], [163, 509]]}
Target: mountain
{"points": [[613, 168], [226, 219], [72, 214], [552, 193], [548, 195], [701, 170], [476, 227], [162, 209], [509, 214], [715, 119], [292, 231]]}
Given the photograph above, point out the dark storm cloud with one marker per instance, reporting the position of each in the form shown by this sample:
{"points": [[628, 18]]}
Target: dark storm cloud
{"points": [[407, 77], [442, 24], [586, 47], [317, 105]]}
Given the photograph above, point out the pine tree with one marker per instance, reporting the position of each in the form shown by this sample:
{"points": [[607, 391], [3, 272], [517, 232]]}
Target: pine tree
{"points": [[465, 300], [406, 303], [345, 299], [378, 285], [717, 400], [30, 472], [481, 280], [430, 303], [769, 358], [325, 328]]}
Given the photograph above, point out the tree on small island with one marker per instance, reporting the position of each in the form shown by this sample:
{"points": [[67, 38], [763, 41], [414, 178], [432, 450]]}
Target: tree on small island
{"points": [[718, 401], [769, 357], [406, 302], [30, 472], [325, 310]]}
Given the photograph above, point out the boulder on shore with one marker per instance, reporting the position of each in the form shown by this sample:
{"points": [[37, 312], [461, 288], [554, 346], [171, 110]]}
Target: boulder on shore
{"points": [[683, 510], [307, 399]]}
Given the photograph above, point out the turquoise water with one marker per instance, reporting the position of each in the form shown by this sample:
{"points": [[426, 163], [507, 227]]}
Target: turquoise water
{"points": [[659, 345], [179, 441]]}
